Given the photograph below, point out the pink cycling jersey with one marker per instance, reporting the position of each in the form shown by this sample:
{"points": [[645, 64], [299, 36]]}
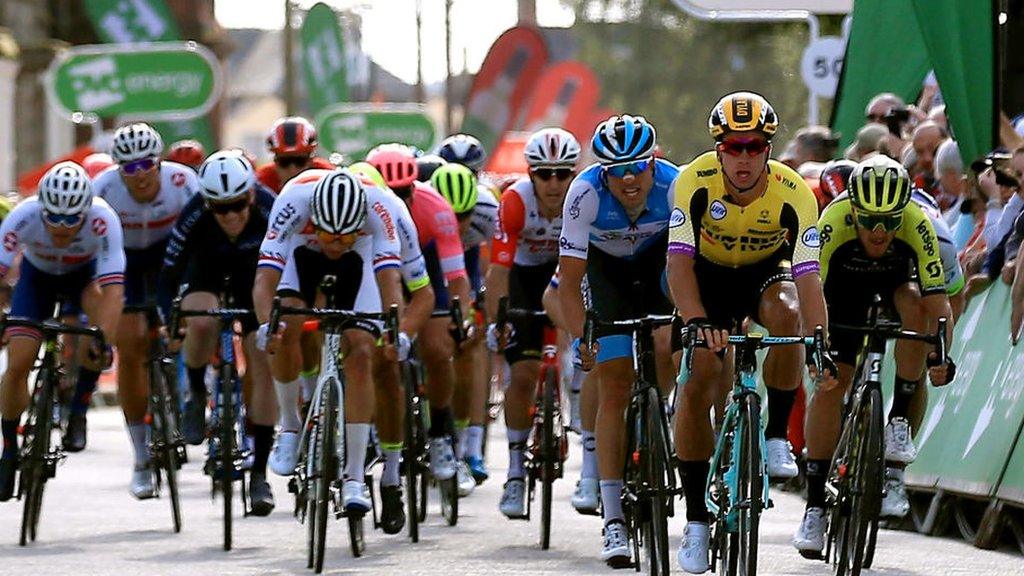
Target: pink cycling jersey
{"points": [[435, 222]]}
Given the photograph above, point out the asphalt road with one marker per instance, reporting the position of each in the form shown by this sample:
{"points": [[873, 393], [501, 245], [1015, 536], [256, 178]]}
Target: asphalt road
{"points": [[91, 525]]}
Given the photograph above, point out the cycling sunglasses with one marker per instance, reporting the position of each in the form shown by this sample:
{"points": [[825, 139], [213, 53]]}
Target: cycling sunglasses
{"points": [[326, 237], [549, 173], [65, 220], [222, 208], [737, 146], [633, 167], [888, 222], [138, 166], [291, 161]]}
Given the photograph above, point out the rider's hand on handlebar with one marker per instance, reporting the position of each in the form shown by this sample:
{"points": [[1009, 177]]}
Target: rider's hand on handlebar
{"points": [[941, 373], [266, 341], [585, 357], [497, 342], [716, 339], [828, 378]]}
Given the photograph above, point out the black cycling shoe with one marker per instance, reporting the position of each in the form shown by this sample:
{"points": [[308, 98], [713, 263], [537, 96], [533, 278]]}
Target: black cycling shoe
{"points": [[392, 516], [193, 422], [260, 497], [8, 470], [74, 436]]}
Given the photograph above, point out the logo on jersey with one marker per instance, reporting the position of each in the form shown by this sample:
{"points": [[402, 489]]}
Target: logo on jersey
{"points": [[933, 268], [811, 238], [178, 179], [574, 208], [678, 218], [385, 216], [99, 227], [10, 241], [706, 173], [718, 210]]}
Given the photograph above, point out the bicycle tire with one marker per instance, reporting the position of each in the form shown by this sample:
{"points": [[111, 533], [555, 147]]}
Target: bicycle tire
{"points": [[33, 471], [227, 448], [750, 487], [869, 553], [326, 458], [548, 454], [164, 429], [410, 455], [724, 542], [864, 503], [654, 468], [449, 490], [357, 542]]}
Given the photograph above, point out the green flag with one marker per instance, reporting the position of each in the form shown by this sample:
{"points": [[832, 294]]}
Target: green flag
{"points": [[323, 57]]}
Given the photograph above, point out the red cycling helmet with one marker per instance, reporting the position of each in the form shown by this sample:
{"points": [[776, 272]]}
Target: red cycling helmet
{"points": [[292, 136], [188, 152], [835, 177], [96, 162], [396, 162]]}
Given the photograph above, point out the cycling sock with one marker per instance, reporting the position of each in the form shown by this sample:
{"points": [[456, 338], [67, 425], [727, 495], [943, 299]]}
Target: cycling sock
{"points": [[139, 433], [392, 463], [10, 431], [817, 472], [475, 441], [611, 500], [288, 405], [263, 439], [197, 383], [461, 434], [695, 486], [442, 422], [780, 404], [308, 378], [84, 388], [357, 436], [589, 469], [577, 381], [517, 452], [902, 394]]}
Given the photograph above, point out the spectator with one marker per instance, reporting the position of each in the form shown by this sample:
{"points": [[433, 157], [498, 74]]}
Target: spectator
{"points": [[881, 105], [926, 139], [999, 183], [951, 191], [866, 143], [938, 116], [810, 144]]}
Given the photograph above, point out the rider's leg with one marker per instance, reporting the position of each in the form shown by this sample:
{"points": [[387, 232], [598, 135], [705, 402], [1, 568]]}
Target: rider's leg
{"points": [[285, 365], [615, 377], [477, 401], [390, 417], [200, 342], [518, 399], [359, 348], [133, 382], [260, 402], [695, 439], [910, 355], [824, 420], [779, 312], [310, 344], [436, 349]]}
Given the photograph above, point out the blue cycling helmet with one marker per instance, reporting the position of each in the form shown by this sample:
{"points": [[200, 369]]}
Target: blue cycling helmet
{"points": [[623, 138]]}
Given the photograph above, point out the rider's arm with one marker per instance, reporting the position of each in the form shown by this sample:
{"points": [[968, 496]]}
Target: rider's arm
{"points": [[805, 239], [918, 232], [11, 245], [578, 215], [570, 294], [387, 255], [110, 265], [389, 282], [452, 256], [179, 249], [511, 219], [418, 310], [553, 305], [683, 232]]}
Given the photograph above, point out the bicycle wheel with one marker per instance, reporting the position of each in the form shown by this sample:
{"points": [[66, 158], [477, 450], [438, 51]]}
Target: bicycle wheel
{"points": [[723, 539], [34, 468], [410, 455], [449, 490], [355, 535], [867, 467], [549, 453], [165, 434], [325, 468], [227, 449], [750, 487], [653, 469]]}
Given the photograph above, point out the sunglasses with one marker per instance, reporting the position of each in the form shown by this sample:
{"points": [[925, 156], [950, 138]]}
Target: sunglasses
{"points": [[326, 237], [875, 117], [65, 220], [635, 167], [291, 161], [223, 208], [549, 173], [750, 146], [888, 222], [138, 166]]}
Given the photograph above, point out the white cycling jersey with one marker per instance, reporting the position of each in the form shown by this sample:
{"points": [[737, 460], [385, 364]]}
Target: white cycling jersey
{"points": [[98, 240], [523, 236], [414, 266], [484, 219], [147, 224]]}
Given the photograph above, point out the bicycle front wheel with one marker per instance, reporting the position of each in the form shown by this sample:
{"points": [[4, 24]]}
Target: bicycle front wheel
{"points": [[410, 456], [227, 449], [37, 447], [750, 488], [655, 469], [165, 431], [549, 452], [326, 469]]}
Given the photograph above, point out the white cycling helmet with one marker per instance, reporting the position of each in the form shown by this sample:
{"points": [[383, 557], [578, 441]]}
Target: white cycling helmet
{"points": [[552, 148], [135, 142], [338, 204], [65, 189], [226, 175]]}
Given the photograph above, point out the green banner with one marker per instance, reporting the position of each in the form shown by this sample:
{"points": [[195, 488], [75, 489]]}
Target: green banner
{"points": [[353, 129], [121, 22], [323, 57]]}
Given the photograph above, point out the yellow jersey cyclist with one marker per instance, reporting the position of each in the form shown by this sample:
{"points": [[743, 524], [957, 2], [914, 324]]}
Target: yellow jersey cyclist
{"points": [[743, 243], [874, 239]]}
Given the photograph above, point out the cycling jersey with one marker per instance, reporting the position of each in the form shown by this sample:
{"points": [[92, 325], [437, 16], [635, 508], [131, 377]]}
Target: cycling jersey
{"points": [[414, 266], [523, 236], [592, 216], [291, 217], [98, 240], [267, 174], [438, 230], [148, 224], [705, 221], [954, 274], [484, 219]]}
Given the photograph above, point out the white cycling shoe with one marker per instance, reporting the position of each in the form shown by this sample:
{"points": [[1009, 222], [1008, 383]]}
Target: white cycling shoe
{"points": [[465, 480], [285, 454], [616, 550], [142, 486], [899, 445], [809, 539], [513, 499], [895, 504], [587, 496], [354, 497], [442, 458], [693, 550], [781, 464]]}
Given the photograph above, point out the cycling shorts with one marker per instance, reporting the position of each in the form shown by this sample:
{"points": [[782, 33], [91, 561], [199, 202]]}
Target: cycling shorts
{"points": [[355, 286], [850, 295], [199, 279], [37, 292], [141, 273], [731, 295], [526, 285]]}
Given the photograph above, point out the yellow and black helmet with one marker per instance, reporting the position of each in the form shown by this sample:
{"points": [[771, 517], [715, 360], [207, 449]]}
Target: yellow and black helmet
{"points": [[880, 185], [742, 112]]}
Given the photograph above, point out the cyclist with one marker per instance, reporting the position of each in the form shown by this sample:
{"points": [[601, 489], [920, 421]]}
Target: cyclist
{"points": [[190, 153], [873, 236], [743, 244], [321, 225], [97, 162], [439, 239], [292, 141], [148, 195], [463, 149], [476, 210], [72, 249], [218, 235], [523, 259], [426, 164], [390, 413]]}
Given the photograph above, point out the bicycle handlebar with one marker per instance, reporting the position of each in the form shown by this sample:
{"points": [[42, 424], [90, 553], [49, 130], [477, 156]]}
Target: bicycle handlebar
{"points": [[454, 311], [52, 327], [894, 331], [650, 321]]}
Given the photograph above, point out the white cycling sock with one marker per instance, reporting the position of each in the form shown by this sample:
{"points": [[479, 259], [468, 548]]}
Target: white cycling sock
{"points": [[589, 469], [460, 447], [392, 461], [308, 384], [517, 456], [611, 500], [357, 436], [288, 405], [475, 441], [139, 433]]}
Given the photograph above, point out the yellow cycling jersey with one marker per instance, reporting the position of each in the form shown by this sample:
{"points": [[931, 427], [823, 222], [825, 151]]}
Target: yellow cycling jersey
{"points": [[705, 221], [915, 240]]}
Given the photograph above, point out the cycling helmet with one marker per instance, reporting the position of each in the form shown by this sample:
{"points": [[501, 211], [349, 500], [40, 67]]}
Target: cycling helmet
{"points": [[427, 164], [135, 142], [188, 152], [368, 172], [226, 175], [293, 135], [879, 185], [742, 112], [65, 189], [97, 162], [552, 147], [338, 204], [463, 149], [835, 177], [396, 163], [458, 186], [623, 138]]}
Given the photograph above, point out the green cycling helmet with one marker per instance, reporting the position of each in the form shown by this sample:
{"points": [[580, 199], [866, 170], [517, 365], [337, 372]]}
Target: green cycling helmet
{"points": [[458, 186], [367, 170], [880, 185]]}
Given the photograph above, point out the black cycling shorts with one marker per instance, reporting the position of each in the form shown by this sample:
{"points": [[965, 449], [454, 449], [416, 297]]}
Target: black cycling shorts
{"points": [[731, 295], [526, 285], [312, 266], [201, 277], [849, 295]]}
